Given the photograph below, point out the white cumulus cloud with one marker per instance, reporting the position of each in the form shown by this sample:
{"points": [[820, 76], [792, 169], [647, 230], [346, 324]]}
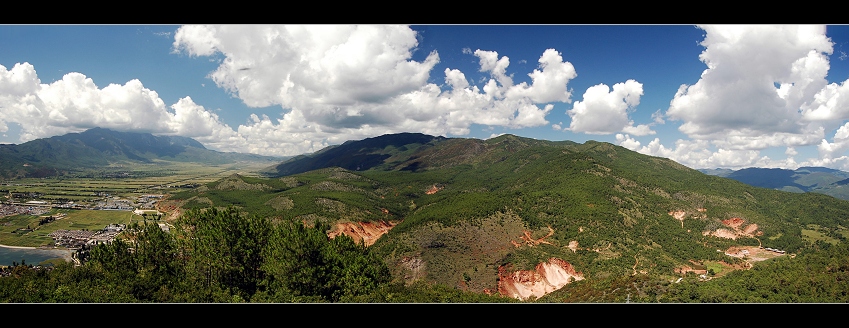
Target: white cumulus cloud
{"points": [[764, 87], [548, 84], [336, 83], [737, 95], [626, 141], [75, 103], [605, 111], [332, 83], [322, 66]]}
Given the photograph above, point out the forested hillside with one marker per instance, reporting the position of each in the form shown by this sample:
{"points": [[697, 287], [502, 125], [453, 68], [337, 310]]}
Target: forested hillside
{"points": [[221, 257], [504, 219]]}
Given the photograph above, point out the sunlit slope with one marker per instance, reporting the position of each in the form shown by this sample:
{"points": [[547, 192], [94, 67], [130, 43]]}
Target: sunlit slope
{"points": [[465, 207]]}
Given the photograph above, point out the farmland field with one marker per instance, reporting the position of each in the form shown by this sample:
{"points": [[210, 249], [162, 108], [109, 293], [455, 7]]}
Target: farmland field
{"points": [[98, 188], [127, 181], [14, 232]]}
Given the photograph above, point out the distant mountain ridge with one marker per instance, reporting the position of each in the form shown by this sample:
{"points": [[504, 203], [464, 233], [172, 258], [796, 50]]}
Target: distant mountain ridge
{"points": [[804, 179], [99, 147], [410, 152], [356, 155]]}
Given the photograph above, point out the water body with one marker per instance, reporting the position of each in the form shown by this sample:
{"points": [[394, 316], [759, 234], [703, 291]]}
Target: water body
{"points": [[31, 255]]}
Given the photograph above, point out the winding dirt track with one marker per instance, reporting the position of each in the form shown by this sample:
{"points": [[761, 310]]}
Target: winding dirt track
{"points": [[530, 241]]}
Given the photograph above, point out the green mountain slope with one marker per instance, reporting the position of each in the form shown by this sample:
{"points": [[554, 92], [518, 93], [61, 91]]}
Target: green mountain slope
{"points": [[467, 213], [357, 155]]}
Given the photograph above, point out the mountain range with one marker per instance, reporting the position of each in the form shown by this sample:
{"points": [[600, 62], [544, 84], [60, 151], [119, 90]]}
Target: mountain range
{"points": [[804, 179], [553, 221], [98, 148], [527, 218]]}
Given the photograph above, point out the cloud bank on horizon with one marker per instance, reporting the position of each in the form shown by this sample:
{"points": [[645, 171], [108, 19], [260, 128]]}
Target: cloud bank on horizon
{"points": [[762, 87]]}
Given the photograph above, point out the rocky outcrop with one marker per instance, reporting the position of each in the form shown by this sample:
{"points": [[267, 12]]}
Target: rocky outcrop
{"points": [[573, 245], [414, 268], [434, 189], [733, 222], [737, 224], [365, 232], [545, 278]]}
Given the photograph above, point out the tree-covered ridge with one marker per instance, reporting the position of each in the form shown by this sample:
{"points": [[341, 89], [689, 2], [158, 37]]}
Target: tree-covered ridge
{"points": [[817, 275], [614, 204], [467, 209], [357, 155]]}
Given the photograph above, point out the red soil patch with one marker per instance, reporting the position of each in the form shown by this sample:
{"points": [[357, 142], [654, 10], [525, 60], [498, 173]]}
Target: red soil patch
{"points": [[433, 189], [545, 278], [733, 222], [171, 208], [736, 224], [530, 241], [366, 232]]}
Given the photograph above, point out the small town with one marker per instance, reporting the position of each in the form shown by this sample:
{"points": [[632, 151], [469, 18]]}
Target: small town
{"points": [[17, 203], [29, 204], [74, 239]]}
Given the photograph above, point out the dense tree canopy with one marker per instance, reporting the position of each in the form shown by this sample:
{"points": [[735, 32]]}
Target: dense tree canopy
{"points": [[213, 256]]}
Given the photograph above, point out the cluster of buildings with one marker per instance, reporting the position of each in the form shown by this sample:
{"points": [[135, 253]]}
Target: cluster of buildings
{"points": [[6, 210], [107, 202], [148, 202], [774, 250], [75, 239], [115, 203]]}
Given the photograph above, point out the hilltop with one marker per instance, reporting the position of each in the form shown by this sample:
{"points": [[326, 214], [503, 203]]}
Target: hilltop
{"points": [[357, 155]]}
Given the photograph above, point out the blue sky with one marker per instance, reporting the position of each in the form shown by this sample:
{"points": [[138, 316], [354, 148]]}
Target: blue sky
{"points": [[705, 96]]}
